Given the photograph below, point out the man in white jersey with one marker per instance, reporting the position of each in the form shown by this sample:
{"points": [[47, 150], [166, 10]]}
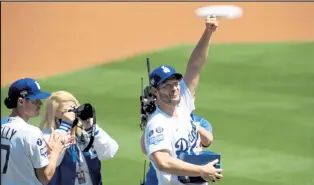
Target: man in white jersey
{"points": [[169, 129], [25, 157]]}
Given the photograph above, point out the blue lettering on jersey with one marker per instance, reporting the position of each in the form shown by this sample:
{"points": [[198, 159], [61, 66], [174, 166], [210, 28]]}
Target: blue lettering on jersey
{"points": [[181, 145], [184, 145]]}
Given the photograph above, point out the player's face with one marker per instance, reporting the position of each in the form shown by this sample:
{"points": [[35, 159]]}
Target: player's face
{"points": [[31, 107], [169, 92]]}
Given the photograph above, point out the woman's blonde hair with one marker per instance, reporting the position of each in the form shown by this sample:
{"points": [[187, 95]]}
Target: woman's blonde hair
{"points": [[53, 104]]}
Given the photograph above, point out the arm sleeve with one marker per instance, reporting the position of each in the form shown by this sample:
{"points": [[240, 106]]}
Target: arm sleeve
{"points": [[105, 146], [38, 150], [187, 99], [157, 137]]}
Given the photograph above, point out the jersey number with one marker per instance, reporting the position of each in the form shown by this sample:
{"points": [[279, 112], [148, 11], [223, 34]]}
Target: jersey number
{"points": [[6, 148]]}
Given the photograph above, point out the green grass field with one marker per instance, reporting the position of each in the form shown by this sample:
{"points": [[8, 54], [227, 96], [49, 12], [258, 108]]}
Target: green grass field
{"points": [[259, 99]]}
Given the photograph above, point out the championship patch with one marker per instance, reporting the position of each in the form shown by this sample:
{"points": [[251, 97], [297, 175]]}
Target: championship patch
{"points": [[159, 129], [44, 152], [150, 133], [156, 139], [39, 142]]}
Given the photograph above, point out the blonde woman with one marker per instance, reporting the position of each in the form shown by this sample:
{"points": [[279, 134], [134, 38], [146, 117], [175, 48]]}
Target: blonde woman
{"points": [[75, 166]]}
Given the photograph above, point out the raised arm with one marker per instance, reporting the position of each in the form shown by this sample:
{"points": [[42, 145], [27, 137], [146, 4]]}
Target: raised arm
{"points": [[199, 56]]}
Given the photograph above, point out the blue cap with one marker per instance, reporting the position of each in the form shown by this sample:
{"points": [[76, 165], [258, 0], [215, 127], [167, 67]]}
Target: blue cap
{"points": [[161, 74], [27, 88]]}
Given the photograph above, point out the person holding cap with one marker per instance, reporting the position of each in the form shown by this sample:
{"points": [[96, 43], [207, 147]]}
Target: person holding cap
{"points": [[26, 158]]}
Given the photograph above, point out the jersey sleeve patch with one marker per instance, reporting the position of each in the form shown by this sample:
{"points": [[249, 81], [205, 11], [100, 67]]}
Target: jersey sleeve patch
{"points": [[44, 152], [155, 140], [39, 142]]}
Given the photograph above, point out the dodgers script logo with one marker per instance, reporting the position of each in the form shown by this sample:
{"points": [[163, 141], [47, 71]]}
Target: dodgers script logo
{"points": [[187, 144]]}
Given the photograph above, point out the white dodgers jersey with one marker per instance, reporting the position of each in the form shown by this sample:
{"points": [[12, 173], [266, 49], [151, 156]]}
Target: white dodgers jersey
{"points": [[22, 150], [175, 134]]}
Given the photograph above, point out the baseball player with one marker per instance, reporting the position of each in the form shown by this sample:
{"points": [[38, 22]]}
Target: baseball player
{"points": [[170, 129], [151, 178], [26, 159]]}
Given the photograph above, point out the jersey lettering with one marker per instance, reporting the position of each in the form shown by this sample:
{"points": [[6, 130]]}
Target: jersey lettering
{"points": [[181, 145], [187, 145], [7, 132]]}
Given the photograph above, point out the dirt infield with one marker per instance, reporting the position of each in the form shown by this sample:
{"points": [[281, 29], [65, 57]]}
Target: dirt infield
{"points": [[43, 39]]}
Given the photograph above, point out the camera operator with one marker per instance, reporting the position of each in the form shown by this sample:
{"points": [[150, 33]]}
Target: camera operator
{"points": [[77, 166]]}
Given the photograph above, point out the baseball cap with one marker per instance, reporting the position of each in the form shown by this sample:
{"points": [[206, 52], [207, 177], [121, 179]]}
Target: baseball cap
{"points": [[27, 88], [161, 74]]}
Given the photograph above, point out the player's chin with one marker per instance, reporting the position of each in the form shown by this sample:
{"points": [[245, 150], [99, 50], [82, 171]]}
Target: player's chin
{"points": [[175, 100], [36, 113]]}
